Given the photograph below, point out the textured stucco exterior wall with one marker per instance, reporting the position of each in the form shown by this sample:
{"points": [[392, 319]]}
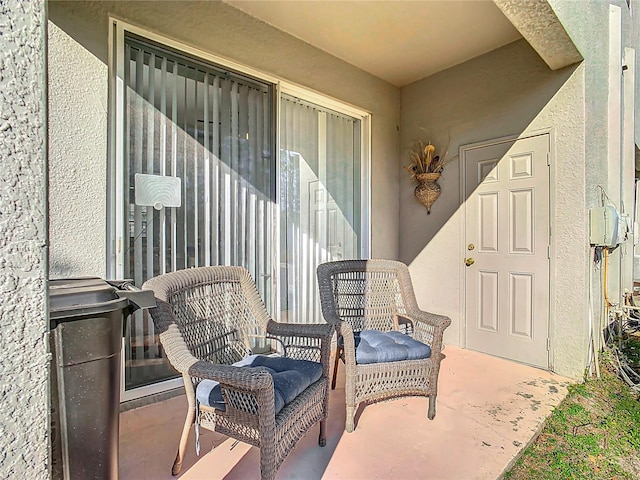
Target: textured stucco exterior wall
{"points": [[584, 22], [77, 158], [635, 7], [509, 91], [24, 421], [217, 28], [538, 24]]}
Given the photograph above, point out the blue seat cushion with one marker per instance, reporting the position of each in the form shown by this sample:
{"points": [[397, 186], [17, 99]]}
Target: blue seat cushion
{"points": [[290, 378], [373, 346]]}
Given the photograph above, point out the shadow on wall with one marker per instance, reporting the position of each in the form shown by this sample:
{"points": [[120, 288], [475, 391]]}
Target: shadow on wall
{"points": [[78, 20], [498, 94]]}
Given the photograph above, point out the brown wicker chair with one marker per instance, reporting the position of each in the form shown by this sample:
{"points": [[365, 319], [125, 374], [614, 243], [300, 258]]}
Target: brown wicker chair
{"points": [[206, 317], [361, 295]]}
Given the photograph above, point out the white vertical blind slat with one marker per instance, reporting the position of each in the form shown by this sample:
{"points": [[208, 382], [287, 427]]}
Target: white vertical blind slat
{"points": [[183, 226], [235, 195], [196, 150], [261, 192], [137, 149], [227, 219], [130, 88], [163, 159], [207, 173], [244, 169], [268, 207], [227, 166], [150, 144], [215, 148], [253, 184], [174, 163], [150, 137], [137, 333]]}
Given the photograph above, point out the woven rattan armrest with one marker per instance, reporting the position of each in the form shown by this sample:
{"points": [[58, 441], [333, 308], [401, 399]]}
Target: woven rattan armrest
{"points": [[242, 378], [310, 330], [304, 341], [428, 327], [431, 319], [348, 343], [251, 388]]}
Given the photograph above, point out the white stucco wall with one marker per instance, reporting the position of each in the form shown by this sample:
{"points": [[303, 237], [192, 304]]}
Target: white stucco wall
{"points": [[79, 32], [509, 91], [77, 158], [24, 367]]}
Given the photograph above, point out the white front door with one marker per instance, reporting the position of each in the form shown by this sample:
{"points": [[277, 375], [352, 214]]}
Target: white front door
{"points": [[507, 249]]}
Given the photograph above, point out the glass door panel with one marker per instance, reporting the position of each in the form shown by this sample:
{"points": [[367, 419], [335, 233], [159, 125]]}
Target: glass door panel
{"points": [[212, 129], [320, 198]]}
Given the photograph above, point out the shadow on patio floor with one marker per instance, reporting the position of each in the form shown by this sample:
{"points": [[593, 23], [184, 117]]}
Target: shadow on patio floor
{"points": [[488, 410]]}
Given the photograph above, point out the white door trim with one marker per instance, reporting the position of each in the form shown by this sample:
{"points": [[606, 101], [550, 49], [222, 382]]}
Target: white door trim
{"points": [[462, 152]]}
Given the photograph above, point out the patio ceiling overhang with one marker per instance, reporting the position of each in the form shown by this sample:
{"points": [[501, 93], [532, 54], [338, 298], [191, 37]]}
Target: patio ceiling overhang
{"points": [[404, 41]]}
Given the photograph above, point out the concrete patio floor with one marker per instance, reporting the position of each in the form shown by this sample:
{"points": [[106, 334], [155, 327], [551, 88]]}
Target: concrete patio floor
{"points": [[488, 410]]}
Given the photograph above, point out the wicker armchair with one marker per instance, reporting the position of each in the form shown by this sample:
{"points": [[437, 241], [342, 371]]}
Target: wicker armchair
{"points": [[206, 317], [359, 295]]}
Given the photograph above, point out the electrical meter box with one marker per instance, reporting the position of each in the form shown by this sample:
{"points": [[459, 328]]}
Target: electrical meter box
{"points": [[607, 227]]}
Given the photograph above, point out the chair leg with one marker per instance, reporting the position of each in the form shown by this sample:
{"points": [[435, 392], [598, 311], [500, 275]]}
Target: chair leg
{"points": [[432, 407], [268, 468], [267, 471], [322, 439], [177, 464], [349, 425], [335, 368]]}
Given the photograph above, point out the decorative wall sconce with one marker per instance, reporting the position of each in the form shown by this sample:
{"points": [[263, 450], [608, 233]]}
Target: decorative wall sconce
{"points": [[426, 168]]}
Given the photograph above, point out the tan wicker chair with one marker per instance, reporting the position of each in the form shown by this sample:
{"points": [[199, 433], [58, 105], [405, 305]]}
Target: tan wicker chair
{"points": [[361, 295], [206, 317]]}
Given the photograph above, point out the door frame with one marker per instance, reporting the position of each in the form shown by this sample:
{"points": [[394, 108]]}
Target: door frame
{"points": [[462, 271]]}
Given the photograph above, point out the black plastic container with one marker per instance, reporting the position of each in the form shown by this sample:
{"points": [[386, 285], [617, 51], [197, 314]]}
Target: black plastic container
{"points": [[87, 317]]}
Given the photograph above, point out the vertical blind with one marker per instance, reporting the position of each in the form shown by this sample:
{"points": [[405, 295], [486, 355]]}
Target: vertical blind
{"points": [[319, 200], [213, 130]]}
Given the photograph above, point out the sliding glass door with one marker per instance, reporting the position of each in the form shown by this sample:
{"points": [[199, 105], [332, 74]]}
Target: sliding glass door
{"points": [[196, 182]]}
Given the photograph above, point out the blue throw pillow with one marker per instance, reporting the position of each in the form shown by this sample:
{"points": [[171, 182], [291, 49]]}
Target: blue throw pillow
{"points": [[290, 378]]}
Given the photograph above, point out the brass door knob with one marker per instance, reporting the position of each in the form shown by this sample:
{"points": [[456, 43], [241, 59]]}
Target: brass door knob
{"points": [[469, 261]]}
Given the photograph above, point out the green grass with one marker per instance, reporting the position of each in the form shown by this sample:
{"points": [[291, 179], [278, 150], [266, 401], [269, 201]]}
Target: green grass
{"points": [[593, 434]]}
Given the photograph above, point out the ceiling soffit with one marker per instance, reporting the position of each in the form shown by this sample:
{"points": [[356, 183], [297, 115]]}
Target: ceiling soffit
{"points": [[398, 41]]}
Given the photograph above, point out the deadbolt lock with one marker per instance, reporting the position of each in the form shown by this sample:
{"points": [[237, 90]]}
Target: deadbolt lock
{"points": [[471, 246], [469, 261]]}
